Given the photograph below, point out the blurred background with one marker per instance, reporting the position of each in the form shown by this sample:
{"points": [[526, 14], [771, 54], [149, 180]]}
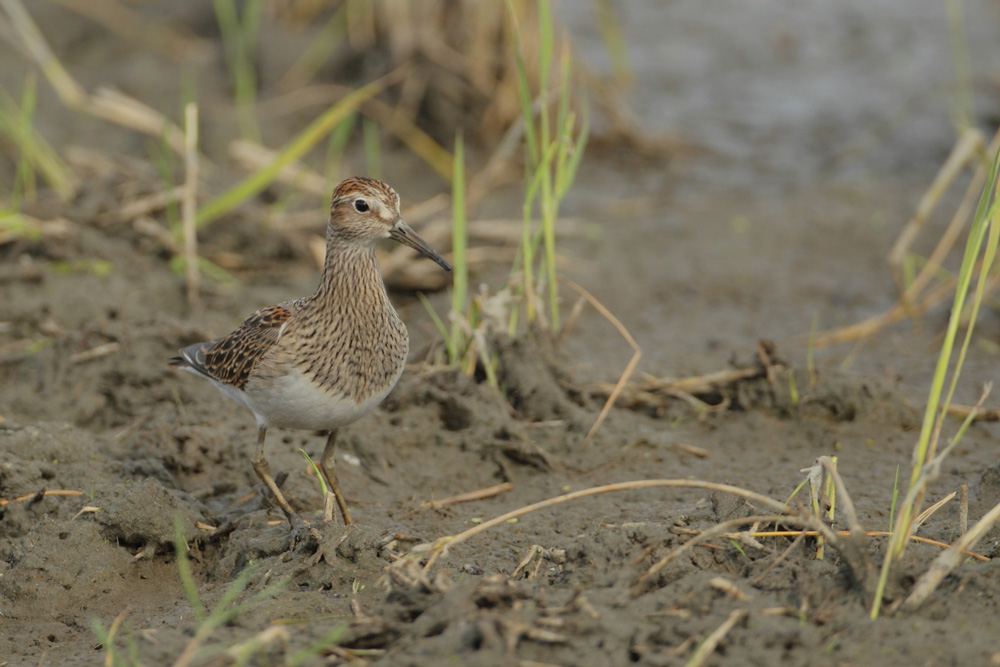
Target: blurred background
{"points": [[744, 170], [631, 191]]}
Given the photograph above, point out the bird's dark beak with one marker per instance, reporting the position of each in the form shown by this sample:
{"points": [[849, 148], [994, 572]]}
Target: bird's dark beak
{"points": [[403, 233]]}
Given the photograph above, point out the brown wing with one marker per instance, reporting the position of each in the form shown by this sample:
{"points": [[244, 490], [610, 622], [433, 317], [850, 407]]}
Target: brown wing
{"points": [[231, 359]]}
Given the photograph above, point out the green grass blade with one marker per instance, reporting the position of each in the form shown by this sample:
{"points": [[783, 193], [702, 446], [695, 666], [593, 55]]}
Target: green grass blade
{"points": [[449, 344], [17, 123], [315, 468], [319, 50], [373, 153], [563, 123], [335, 147], [985, 221], [294, 150], [546, 39], [524, 92], [962, 101], [459, 243], [239, 38], [568, 175], [895, 499], [163, 158], [26, 132], [184, 570], [614, 41]]}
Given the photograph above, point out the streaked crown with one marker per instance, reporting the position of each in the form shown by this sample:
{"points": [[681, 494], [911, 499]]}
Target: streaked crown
{"points": [[364, 209]]}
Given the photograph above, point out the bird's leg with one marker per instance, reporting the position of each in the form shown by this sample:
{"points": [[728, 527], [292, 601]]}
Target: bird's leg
{"points": [[328, 466], [263, 470]]}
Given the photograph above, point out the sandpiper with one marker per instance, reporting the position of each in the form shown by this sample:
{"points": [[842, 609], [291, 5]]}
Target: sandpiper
{"points": [[323, 361]]}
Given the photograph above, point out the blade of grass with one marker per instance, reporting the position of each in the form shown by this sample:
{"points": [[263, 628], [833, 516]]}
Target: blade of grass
{"points": [[895, 498], [546, 39], [26, 166], [316, 471], [106, 104], [523, 91], [163, 159], [459, 243], [239, 37], [963, 100], [295, 149], [189, 205], [614, 41], [373, 153], [984, 222], [450, 345], [339, 137], [17, 122], [317, 52], [184, 570]]}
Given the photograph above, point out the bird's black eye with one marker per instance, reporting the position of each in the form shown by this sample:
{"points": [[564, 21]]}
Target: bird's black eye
{"points": [[360, 205]]}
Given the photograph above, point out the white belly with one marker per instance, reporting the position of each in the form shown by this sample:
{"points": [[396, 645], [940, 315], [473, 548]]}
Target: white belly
{"points": [[292, 401]]}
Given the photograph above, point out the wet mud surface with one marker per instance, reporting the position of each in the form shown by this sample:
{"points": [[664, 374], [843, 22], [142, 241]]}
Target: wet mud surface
{"points": [[776, 218]]}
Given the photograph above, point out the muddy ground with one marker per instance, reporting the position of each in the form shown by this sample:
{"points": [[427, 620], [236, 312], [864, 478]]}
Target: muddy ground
{"points": [[801, 139]]}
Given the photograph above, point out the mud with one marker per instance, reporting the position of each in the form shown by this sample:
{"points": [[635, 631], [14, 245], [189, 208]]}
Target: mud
{"points": [[800, 165]]}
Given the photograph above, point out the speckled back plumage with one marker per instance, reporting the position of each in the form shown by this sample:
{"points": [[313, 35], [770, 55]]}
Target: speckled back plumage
{"points": [[232, 358], [346, 338]]}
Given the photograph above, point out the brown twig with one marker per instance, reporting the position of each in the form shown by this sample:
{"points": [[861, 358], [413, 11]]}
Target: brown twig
{"points": [[951, 234], [968, 145], [93, 353], [908, 304], [650, 391], [115, 624], [535, 550], [629, 368], [926, 514], [950, 559], [869, 533], [724, 527], [30, 496], [469, 496], [876, 323], [143, 206], [189, 205], [799, 538], [442, 544], [707, 647], [978, 413], [963, 508], [86, 509], [107, 104], [847, 505]]}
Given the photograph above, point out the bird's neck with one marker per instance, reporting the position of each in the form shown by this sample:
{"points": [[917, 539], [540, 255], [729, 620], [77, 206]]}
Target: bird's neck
{"points": [[350, 269]]}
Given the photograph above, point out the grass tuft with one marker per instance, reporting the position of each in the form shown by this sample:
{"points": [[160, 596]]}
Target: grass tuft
{"points": [[17, 123], [315, 469], [239, 39], [553, 155], [980, 250], [295, 149]]}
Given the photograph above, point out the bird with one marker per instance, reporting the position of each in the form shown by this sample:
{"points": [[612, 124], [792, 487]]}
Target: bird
{"points": [[321, 362]]}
